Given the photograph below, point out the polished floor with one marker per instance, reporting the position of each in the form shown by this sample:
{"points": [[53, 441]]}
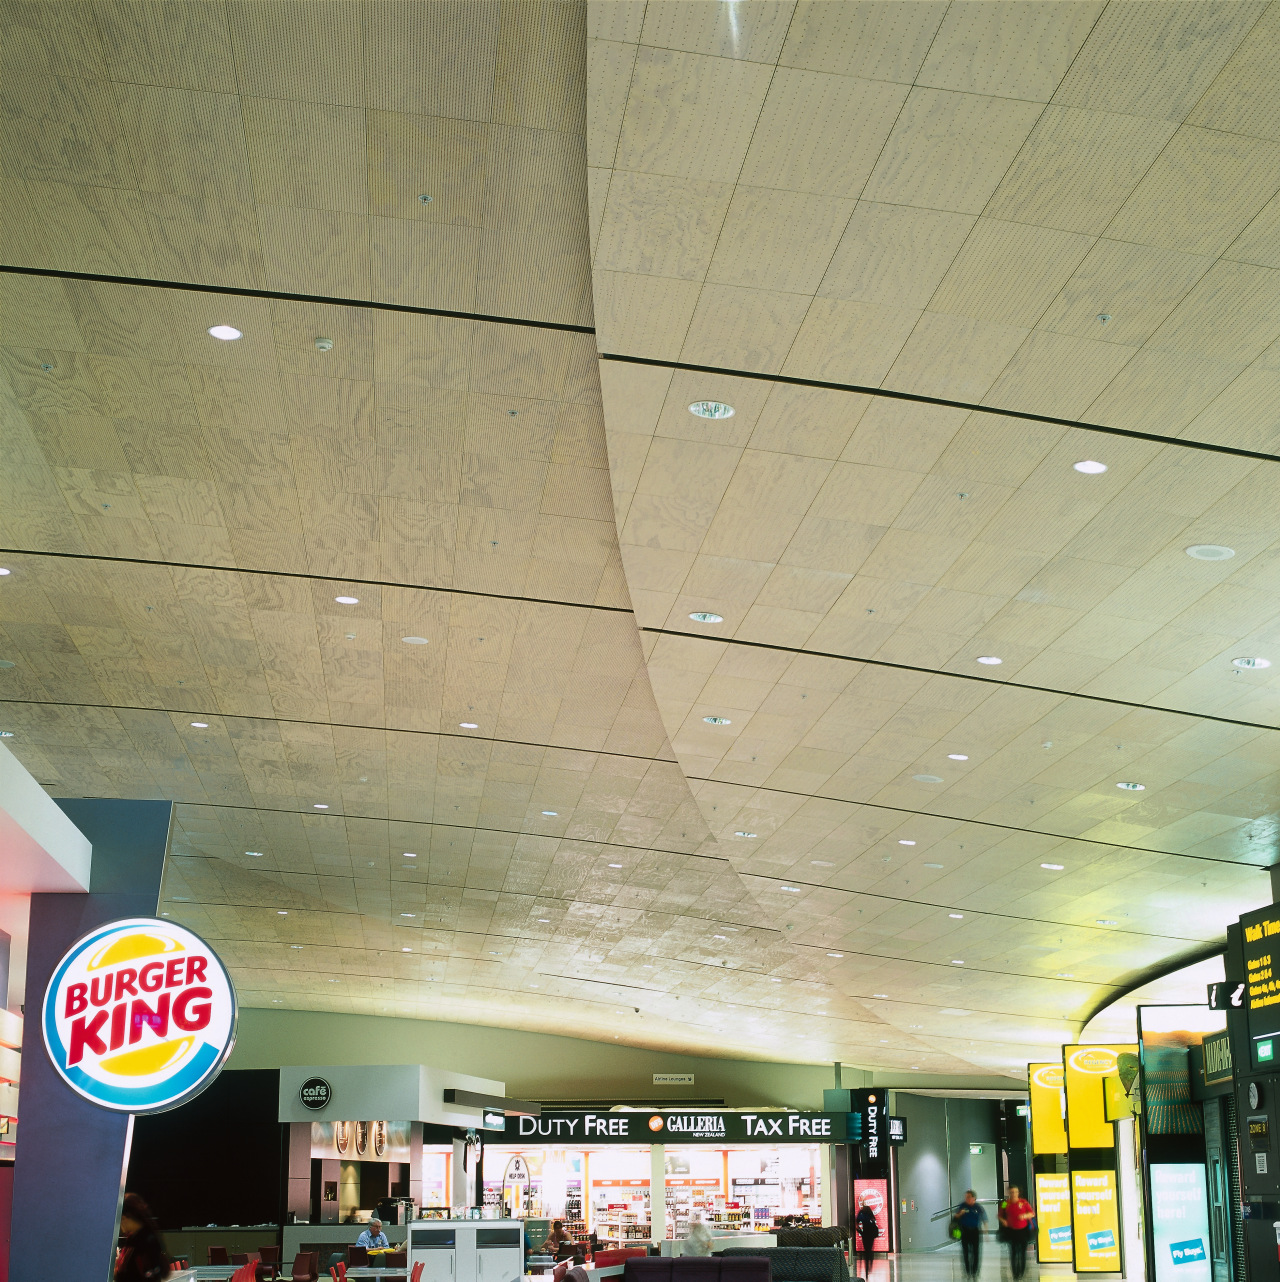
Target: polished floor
{"points": [[945, 1266]]}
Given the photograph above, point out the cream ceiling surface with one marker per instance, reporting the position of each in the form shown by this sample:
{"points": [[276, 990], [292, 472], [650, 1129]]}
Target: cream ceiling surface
{"points": [[519, 815]]}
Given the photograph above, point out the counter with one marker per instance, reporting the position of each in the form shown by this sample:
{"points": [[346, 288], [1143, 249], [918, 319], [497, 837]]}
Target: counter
{"points": [[193, 1241]]}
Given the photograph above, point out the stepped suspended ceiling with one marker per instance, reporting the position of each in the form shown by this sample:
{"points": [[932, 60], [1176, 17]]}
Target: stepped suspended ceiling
{"points": [[795, 209]]}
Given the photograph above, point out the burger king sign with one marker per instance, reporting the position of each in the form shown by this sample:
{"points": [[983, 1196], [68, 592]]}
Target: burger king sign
{"points": [[139, 1016]]}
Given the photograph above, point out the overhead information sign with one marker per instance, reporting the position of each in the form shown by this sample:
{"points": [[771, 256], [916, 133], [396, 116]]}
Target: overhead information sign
{"points": [[1048, 1127], [1261, 931], [701, 1126]]}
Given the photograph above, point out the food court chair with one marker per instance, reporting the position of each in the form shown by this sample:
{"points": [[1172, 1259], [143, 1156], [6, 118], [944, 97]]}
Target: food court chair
{"points": [[306, 1267], [416, 1275], [395, 1260], [246, 1272], [268, 1263], [218, 1255], [357, 1257], [241, 1257]]}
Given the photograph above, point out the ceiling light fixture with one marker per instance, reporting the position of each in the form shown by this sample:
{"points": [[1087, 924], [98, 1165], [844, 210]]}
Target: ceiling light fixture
{"points": [[1250, 663], [956, 916], [254, 854], [955, 961], [406, 950], [795, 890], [956, 756], [551, 814], [1053, 867], [1090, 467], [7, 663], [295, 945], [1065, 974], [408, 914], [746, 834], [225, 332], [698, 616], [717, 721], [347, 600], [904, 842], [546, 921], [822, 863], [1132, 787], [933, 865], [835, 954], [990, 659], [885, 995], [410, 854], [6, 734], [415, 640], [927, 778], [1106, 921], [3, 572], [711, 409], [282, 912], [1210, 552], [468, 725], [320, 805], [200, 725]]}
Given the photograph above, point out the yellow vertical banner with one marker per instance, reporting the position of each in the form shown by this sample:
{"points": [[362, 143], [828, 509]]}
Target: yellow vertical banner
{"points": [[1048, 1127], [1053, 1219], [1096, 1215], [1084, 1070]]}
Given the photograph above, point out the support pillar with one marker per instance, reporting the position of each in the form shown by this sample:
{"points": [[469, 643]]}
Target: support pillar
{"points": [[298, 1193], [71, 1153], [658, 1192]]}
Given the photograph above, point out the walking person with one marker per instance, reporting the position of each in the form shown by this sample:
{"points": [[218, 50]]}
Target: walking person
{"points": [[868, 1231], [1016, 1214], [971, 1218]]}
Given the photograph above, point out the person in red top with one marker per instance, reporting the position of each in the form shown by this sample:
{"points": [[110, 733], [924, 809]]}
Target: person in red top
{"points": [[1016, 1214]]}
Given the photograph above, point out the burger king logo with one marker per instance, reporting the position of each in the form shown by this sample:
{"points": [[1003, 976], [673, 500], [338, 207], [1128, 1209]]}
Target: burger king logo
{"points": [[1093, 1059], [139, 1016]]}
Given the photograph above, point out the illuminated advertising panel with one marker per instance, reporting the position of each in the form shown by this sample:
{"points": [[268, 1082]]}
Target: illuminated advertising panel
{"points": [[1180, 1222], [1048, 1130], [875, 1194], [1096, 1218], [1053, 1219], [1085, 1069]]}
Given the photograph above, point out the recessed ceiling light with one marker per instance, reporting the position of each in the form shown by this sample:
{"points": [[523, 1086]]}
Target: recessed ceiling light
{"points": [[406, 950], [408, 914], [698, 616], [347, 600], [200, 725], [7, 663], [3, 572], [746, 834], [1106, 921], [989, 659], [835, 954], [224, 332], [335, 981], [295, 945], [1251, 663], [955, 961], [719, 936], [903, 842], [792, 889], [282, 912], [711, 409], [717, 721], [546, 921], [468, 725], [822, 863], [885, 995], [6, 734], [320, 805], [415, 640], [916, 1067], [411, 854], [493, 954], [773, 979], [551, 814], [278, 1000], [1132, 787], [927, 778], [615, 865], [1053, 867], [254, 854], [1090, 467], [956, 916], [956, 756], [1210, 552], [933, 865], [1065, 974]]}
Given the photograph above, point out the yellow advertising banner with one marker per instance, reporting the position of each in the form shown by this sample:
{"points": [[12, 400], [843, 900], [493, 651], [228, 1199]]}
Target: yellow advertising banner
{"points": [[1096, 1216], [1044, 1087], [1084, 1070], [1053, 1219]]}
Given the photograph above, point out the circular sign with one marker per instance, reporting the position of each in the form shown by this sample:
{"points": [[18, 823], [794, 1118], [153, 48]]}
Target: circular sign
{"points": [[315, 1093], [362, 1137], [379, 1138], [655, 1122], [1255, 1094], [139, 1015], [342, 1135]]}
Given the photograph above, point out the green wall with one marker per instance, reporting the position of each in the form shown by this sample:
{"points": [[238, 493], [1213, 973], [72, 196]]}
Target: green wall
{"points": [[540, 1066]]}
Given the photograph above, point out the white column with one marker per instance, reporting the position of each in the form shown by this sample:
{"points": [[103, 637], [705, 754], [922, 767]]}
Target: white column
{"points": [[658, 1191], [828, 1185]]}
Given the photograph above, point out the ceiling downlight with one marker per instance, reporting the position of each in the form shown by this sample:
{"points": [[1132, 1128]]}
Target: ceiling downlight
{"points": [[711, 409]]}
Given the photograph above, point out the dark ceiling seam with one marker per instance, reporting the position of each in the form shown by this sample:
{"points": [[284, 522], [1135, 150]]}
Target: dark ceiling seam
{"points": [[334, 725], [982, 823], [324, 300], [921, 399], [960, 676], [1170, 967], [317, 578], [604, 752]]}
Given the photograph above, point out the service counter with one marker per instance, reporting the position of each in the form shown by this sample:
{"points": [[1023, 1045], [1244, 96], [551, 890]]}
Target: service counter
{"points": [[193, 1242], [327, 1238]]}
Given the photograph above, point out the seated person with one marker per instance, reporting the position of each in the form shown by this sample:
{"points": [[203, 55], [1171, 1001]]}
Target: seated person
{"points": [[556, 1240], [373, 1238]]}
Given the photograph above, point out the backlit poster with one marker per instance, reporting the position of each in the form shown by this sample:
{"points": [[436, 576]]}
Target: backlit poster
{"points": [[875, 1193], [1048, 1129], [1097, 1221], [1180, 1222], [1053, 1219], [1085, 1068]]}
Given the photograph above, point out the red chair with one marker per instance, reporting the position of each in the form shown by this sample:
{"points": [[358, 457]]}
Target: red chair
{"points": [[218, 1255], [416, 1275], [246, 1273], [357, 1257], [306, 1267], [268, 1263]]}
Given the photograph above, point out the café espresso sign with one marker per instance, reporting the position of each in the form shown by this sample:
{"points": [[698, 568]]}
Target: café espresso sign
{"points": [[139, 1016]]}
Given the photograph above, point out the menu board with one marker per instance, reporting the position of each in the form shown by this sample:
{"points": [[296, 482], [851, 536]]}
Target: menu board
{"points": [[1053, 1219], [1097, 1221], [1180, 1222], [1048, 1128], [1261, 932], [1085, 1068]]}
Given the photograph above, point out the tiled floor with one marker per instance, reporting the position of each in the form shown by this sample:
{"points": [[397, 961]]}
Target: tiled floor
{"points": [[944, 1266]]}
